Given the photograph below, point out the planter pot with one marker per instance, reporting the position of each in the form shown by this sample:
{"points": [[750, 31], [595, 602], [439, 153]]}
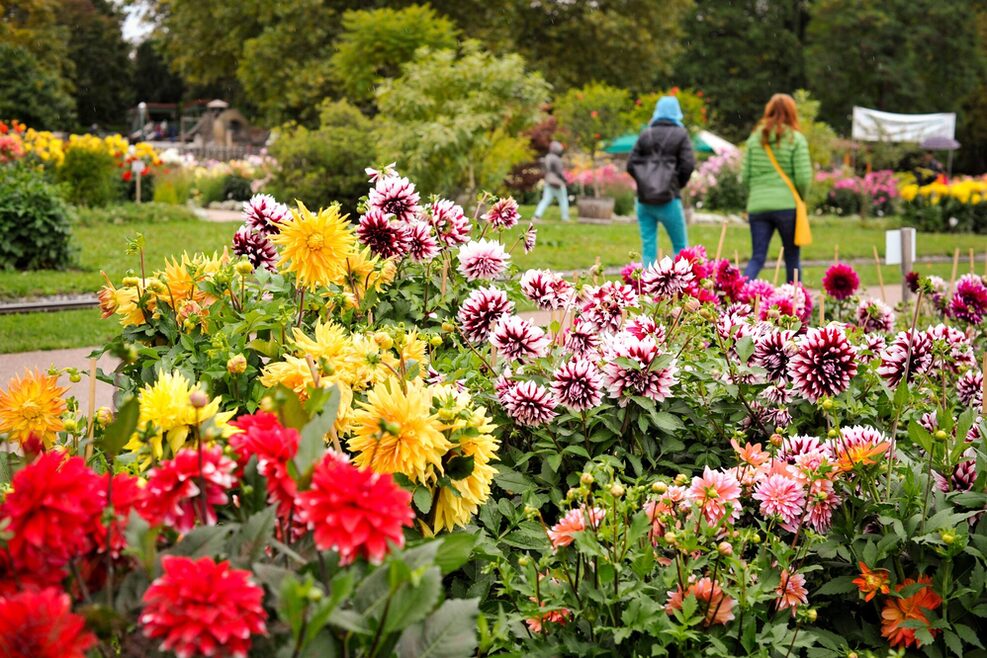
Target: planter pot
{"points": [[595, 207]]}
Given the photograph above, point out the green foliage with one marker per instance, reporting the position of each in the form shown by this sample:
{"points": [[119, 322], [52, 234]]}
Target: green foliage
{"points": [[236, 188], [820, 136], [448, 113], [693, 104], [326, 164], [174, 187], [594, 113], [375, 43], [132, 213], [153, 80], [30, 92], [90, 177], [34, 222]]}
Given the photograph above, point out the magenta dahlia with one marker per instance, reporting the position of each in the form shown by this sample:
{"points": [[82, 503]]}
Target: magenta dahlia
{"points": [[483, 259], [449, 221], [578, 385], [729, 280], [841, 281], [758, 289], [422, 245], [790, 300], [702, 266], [174, 496], [667, 279], [824, 363], [395, 196], [642, 378], [821, 502], [503, 214], [264, 215], [481, 311], [518, 339], [203, 608], [874, 316], [529, 403], [772, 351], [630, 274], [256, 247], [969, 302], [384, 236], [354, 511], [897, 357], [547, 289]]}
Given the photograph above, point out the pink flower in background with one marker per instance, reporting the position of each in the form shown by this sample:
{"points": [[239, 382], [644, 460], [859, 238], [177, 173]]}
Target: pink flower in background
{"points": [[483, 259], [710, 597], [503, 214], [969, 388], [874, 316], [624, 381], [783, 497], [564, 532], [530, 238], [449, 221], [547, 289], [791, 591], [896, 357], [422, 245], [713, 493], [604, 305], [262, 213], [631, 274], [582, 338], [841, 281], [256, 247], [667, 278], [969, 301]]}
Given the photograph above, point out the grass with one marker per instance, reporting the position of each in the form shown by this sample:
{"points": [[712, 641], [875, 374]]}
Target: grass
{"points": [[52, 331]]}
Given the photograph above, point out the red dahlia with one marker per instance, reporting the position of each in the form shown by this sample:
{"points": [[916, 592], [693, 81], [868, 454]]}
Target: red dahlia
{"points": [[354, 511], [262, 436], [201, 608], [41, 624], [824, 363], [841, 281], [173, 488]]}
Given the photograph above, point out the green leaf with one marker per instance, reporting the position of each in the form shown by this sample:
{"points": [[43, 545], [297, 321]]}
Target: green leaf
{"points": [[840, 585], [459, 467], [412, 602], [667, 422], [248, 545], [449, 632], [203, 541], [423, 499], [312, 445], [121, 429], [292, 413], [744, 348], [455, 551], [513, 482]]}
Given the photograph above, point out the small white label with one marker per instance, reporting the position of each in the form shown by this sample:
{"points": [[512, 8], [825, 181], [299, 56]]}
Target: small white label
{"points": [[137, 166], [892, 246]]}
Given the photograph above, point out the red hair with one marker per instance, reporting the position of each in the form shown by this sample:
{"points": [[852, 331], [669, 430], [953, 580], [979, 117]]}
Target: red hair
{"points": [[780, 113]]}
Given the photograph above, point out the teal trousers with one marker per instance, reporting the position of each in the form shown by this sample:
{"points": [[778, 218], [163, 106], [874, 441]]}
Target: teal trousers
{"points": [[671, 216]]}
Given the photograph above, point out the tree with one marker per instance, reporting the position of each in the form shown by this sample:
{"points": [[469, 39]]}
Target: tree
{"points": [[740, 53], [375, 43], [31, 92], [102, 75], [454, 121], [154, 81], [593, 113]]}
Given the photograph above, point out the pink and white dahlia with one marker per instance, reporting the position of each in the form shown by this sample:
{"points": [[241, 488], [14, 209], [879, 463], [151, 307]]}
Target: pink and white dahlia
{"points": [[824, 363], [951, 349], [578, 385], [907, 352], [530, 238], [702, 266], [970, 388], [841, 281], [503, 214], [605, 305], [791, 591], [874, 316], [483, 259], [644, 325], [631, 274], [582, 338], [772, 351], [781, 497], [256, 247], [547, 289], [449, 221], [791, 300], [821, 503], [264, 215], [481, 311], [794, 446], [969, 302], [394, 196], [667, 278], [756, 289], [518, 339], [422, 245], [528, 403], [716, 494], [384, 236], [575, 520], [643, 378]]}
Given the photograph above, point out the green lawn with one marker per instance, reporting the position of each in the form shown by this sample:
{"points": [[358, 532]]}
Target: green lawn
{"points": [[52, 331]]}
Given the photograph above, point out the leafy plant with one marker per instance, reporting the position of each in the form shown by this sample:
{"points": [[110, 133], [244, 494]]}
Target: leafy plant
{"points": [[34, 221]]}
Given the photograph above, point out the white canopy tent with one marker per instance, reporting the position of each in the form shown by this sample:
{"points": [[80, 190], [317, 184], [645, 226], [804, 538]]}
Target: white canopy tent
{"points": [[876, 126]]}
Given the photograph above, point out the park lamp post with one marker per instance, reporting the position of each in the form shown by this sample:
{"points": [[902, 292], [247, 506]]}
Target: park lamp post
{"points": [[142, 116]]}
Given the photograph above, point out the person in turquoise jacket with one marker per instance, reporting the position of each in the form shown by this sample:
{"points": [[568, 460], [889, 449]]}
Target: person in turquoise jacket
{"points": [[770, 204]]}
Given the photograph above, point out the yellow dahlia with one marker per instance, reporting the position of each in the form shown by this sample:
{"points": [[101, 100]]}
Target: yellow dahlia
{"points": [[32, 404], [315, 246], [394, 431], [330, 344], [364, 366], [409, 348], [182, 279], [167, 413], [292, 373]]}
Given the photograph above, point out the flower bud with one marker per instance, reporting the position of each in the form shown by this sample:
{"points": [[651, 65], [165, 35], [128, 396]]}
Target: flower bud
{"points": [[198, 399], [572, 493], [755, 538], [586, 478], [267, 404], [827, 404], [244, 268], [681, 479], [811, 614], [237, 364], [131, 281], [435, 341], [104, 416], [833, 433], [725, 548], [530, 512], [948, 537], [130, 353], [941, 435], [659, 487], [617, 491], [71, 425], [776, 440], [692, 305], [523, 561], [448, 327], [383, 340], [670, 538]]}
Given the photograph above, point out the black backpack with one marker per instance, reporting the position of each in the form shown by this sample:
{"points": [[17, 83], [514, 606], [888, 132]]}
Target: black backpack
{"points": [[654, 170]]}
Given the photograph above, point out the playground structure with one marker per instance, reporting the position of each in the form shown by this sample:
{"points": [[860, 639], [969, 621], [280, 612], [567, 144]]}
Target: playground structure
{"points": [[206, 129]]}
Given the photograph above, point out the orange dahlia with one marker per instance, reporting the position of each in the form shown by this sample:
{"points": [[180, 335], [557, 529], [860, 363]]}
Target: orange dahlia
{"points": [[898, 611], [872, 581], [32, 404]]}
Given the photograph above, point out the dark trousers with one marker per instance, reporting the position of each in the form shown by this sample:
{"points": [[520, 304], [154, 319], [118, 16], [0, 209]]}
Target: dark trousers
{"points": [[763, 226]]}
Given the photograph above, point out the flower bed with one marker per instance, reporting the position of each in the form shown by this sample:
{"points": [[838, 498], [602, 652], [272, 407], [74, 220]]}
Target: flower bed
{"points": [[342, 439], [957, 207], [874, 193]]}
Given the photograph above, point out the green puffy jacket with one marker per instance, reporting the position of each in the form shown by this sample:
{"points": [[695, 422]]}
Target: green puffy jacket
{"points": [[766, 191]]}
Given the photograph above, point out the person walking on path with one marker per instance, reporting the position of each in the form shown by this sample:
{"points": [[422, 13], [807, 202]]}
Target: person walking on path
{"points": [[554, 183], [770, 202], [661, 164]]}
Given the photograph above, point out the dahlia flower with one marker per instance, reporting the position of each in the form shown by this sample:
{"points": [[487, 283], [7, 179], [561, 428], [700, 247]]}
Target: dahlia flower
{"points": [[914, 608], [503, 214], [449, 221], [717, 604], [781, 497], [702, 266], [897, 357], [482, 259], [772, 351], [667, 278], [518, 339], [564, 532], [582, 338], [950, 348], [874, 316], [872, 582], [824, 363], [631, 273], [128, 495], [264, 215], [32, 405], [386, 237], [970, 388], [481, 311], [604, 305], [41, 624], [578, 385], [547, 289], [756, 289], [256, 247], [262, 436], [644, 378], [841, 281], [641, 326], [528, 403], [822, 502], [395, 196], [790, 300], [354, 511], [713, 493], [791, 591], [859, 445], [729, 280], [203, 608], [969, 302], [174, 496], [530, 238], [314, 246], [422, 245]]}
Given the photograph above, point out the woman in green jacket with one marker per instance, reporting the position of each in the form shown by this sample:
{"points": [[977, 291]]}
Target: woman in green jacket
{"points": [[770, 204]]}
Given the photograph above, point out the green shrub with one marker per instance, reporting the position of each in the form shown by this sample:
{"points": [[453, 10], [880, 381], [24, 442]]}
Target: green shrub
{"points": [[129, 213], [320, 166], [174, 186], [236, 188], [90, 177], [34, 222], [209, 188]]}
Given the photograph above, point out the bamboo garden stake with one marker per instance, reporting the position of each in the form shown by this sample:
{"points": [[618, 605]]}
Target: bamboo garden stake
{"points": [[723, 236], [880, 274], [956, 267], [781, 253]]}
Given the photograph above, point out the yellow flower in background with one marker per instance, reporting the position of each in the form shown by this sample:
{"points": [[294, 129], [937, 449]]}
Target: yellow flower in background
{"points": [[315, 245], [394, 431], [909, 192], [364, 364], [166, 410], [293, 373], [329, 344], [45, 146], [408, 347], [32, 404]]}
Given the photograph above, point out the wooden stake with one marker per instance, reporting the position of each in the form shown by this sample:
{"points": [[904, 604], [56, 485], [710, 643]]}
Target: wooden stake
{"points": [[836, 254], [973, 262], [956, 266], [736, 259], [723, 236], [92, 407], [880, 274], [596, 271], [757, 306], [661, 254], [781, 254]]}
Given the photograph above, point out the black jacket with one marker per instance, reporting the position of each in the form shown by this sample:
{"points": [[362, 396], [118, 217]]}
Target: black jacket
{"points": [[661, 162]]}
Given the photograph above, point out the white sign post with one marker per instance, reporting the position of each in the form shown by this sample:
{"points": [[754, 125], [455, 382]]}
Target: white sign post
{"points": [[138, 166], [900, 249]]}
